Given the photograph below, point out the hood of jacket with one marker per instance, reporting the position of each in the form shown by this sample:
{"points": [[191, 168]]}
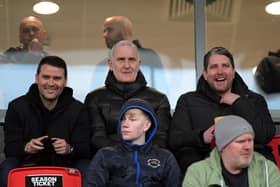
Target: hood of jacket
{"points": [[126, 90], [238, 87], [144, 106]]}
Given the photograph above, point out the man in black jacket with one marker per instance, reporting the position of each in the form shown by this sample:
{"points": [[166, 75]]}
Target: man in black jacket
{"points": [[124, 81], [220, 91], [47, 126]]}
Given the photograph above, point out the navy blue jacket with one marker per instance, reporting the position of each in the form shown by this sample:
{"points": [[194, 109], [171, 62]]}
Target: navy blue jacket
{"points": [[128, 165]]}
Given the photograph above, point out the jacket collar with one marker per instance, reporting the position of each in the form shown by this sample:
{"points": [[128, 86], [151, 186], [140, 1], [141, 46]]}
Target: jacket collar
{"points": [[64, 99], [137, 43], [140, 148], [126, 90], [238, 86]]}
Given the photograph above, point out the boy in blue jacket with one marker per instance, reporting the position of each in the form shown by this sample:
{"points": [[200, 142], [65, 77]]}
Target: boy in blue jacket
{"points": [[135, 162]]}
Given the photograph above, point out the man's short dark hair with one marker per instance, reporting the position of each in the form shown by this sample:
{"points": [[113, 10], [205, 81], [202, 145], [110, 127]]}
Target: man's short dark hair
{"points": [[53, 61], [217, 51]]}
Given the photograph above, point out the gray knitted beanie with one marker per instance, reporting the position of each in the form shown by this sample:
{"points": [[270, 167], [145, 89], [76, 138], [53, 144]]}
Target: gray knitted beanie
{"points": [[230, 127]]}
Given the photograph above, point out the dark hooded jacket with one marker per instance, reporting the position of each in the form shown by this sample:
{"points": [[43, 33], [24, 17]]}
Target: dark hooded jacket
{"points": [[128, 164], [27, 118], [105, 103], [195, 112]]}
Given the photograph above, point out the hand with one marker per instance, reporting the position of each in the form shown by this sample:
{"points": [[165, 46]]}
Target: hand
{"points": [[229, 98], [208, 135], [34, 145], [35, 46], [61, 146]]}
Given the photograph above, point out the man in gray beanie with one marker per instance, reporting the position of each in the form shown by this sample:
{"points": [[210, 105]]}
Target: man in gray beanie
{"points": [[230, 127], [233, 162]]}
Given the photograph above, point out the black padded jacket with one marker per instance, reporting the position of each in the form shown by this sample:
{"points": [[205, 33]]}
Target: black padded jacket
{"points": [[104, 105], [195, 112]]}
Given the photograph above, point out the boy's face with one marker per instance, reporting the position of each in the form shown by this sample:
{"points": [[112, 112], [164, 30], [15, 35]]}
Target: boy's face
{"points": [[135, 124]]}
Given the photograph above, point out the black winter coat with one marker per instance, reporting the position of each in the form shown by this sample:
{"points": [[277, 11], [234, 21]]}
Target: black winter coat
{"points": [[27, 118], [195, 112], [104, 105]]}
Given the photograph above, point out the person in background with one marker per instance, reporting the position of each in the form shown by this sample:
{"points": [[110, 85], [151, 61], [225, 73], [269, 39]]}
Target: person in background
{"points": [[47, 126], [117, 28], [267, 73], [220, 91], [135, 162], [124, 81], [32, 35], [233, 162]]}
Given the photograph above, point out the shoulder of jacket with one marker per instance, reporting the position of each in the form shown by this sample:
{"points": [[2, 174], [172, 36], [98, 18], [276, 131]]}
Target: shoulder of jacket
{"points": [[77, 103], [97, 93], [190, 96], [109, 150], [153, 90], [21, 100]]}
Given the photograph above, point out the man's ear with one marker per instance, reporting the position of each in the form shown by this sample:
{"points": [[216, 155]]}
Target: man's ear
{"points": [[110, 63], [147, 125], [65, 83], [125, 34], [204, 73], [43, 37], [36, 78]]}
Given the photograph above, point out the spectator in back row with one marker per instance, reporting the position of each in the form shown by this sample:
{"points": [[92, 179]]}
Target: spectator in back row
{"points": [[220, 91], [233, 162], [117, 28], [124, 81], [135, 162], [32, 35], [47, 126]]}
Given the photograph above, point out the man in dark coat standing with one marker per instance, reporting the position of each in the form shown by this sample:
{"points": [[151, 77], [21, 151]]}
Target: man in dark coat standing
{"points": [[220, 91]]}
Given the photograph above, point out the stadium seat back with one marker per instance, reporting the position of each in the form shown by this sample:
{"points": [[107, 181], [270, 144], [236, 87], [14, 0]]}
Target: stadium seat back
{"points": [[44, 176]]}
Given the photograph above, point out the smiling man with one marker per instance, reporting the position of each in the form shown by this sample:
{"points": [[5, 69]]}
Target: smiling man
{"points": [[233, 162], [220, 91], [47, 126], [124, 81]]}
